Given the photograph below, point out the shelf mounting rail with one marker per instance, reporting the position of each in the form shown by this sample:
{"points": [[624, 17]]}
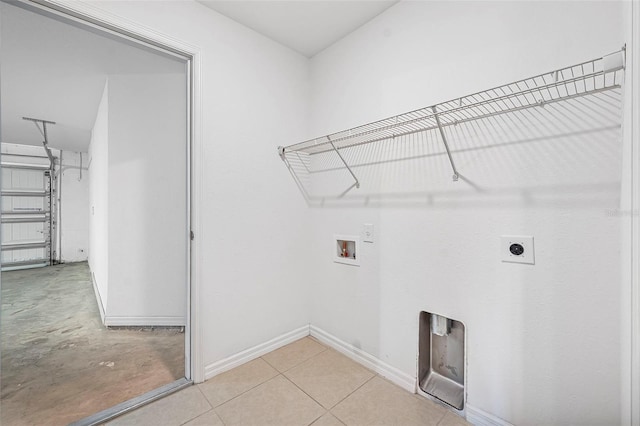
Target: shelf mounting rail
{"points": [[586, 78]]}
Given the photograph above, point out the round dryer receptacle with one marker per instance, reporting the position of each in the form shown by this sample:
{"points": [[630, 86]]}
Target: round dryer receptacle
{"points": [[516, 249]]}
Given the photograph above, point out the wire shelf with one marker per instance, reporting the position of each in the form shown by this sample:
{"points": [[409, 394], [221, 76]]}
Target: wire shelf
{"points": [[587, 78]]}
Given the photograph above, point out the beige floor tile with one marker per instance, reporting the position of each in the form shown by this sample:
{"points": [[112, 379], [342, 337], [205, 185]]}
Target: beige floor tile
{"points": [[276, 402], [328, 420], [329, 377], [381, 403], [210, 418], [293, 354], [451, 419], [173, 410], [232, 383]]}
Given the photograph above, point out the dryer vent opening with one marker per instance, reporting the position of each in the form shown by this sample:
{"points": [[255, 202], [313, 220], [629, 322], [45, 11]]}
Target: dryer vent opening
{"points": [[441, 362]]}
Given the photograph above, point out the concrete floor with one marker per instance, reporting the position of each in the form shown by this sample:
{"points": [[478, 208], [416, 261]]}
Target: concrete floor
{"points": [[59, 363]]}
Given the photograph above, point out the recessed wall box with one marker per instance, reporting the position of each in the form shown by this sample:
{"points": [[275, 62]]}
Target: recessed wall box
{"points": [[346, 249], [441, 359]]}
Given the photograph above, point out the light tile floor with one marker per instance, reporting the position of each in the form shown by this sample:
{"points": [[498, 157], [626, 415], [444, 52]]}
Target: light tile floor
{"points": [[304, 383]]}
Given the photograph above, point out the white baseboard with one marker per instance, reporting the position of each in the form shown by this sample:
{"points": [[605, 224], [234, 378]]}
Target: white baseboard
{"points": [[98, 298], [406, 381], [400, 378], [115, 321], [479, 417], [254, 352]]}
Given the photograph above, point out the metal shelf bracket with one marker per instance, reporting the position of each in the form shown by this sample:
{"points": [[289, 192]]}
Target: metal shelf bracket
{"points": [[357, 182], [455, 176]]}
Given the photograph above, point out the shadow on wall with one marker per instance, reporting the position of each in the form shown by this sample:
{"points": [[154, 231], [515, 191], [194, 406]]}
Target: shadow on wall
{"points": [[552, 151]]}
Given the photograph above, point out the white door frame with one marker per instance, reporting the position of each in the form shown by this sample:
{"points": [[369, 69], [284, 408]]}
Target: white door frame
{"points": [[635, 284], [92, 16], [631, 284]]}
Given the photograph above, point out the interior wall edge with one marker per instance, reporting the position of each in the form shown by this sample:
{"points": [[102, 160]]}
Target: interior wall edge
{"points": [[98, 298]]}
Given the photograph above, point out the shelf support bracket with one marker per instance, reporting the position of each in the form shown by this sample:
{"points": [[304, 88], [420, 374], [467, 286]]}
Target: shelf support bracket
{"points": [[357, 182], [455, 176]]}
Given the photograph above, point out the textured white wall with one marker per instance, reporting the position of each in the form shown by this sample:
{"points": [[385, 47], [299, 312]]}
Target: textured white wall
{"points": [[98, 199], [541, 339]]}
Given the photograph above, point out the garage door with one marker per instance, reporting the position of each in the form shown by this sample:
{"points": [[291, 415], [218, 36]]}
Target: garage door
{"points": [[26, 215]]}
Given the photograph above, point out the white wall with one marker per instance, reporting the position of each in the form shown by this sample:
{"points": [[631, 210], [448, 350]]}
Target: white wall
{"points": [[254, 232], [99, 201], [537, 336], [74, 227], [541, 339], [147, 200]]}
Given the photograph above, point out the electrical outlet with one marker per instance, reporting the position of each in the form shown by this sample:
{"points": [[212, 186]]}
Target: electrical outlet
{"points": [[367, 232], [517, 249]]}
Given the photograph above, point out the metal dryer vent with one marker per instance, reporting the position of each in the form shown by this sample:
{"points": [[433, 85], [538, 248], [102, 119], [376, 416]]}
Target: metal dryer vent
{"points": [[441, 359]]}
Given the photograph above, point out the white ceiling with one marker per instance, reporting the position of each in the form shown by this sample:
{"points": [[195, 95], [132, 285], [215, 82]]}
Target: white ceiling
{"points": [[306, 26], [55, 71]]}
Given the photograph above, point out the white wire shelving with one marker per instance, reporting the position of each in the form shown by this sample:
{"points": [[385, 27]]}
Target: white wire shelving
{"points": [[586, 78]]}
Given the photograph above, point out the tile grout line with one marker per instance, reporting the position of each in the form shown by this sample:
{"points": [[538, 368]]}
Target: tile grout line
{"points": [[293, 366], [243, 392], [355, 390], [327, 410], [270, 378], [201, 414], [329, 413], [442, 418], [312, 398], [307, 360], [280, 373], [336, 404], [219, 416]]}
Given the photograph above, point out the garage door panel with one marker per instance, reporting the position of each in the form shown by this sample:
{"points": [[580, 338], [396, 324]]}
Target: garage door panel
{"points": [[23, 204], [17, 229], [22, 232]]}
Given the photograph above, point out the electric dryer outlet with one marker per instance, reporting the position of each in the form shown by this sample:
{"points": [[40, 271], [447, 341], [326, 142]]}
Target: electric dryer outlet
{"points": [[517, 249]]}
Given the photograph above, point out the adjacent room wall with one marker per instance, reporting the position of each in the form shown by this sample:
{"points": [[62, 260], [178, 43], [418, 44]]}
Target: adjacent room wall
{"points": [[74, 241], [538, 337], [147, 200], [254, 263], [99, 201]]}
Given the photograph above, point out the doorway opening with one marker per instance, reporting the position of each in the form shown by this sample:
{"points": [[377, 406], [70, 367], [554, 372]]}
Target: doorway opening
{"points": [[96, 266]]}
